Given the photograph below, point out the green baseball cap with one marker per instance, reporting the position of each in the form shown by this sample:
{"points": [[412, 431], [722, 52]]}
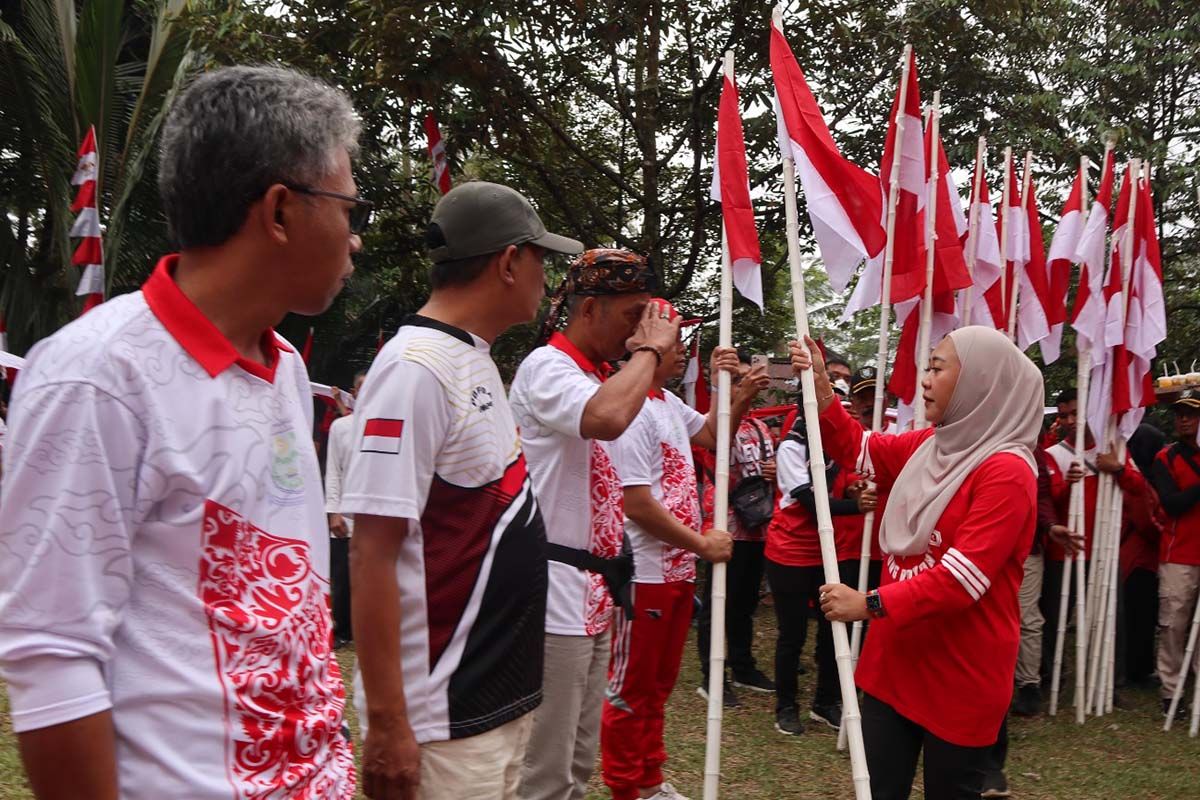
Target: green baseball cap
{"points": [[477, 218]]}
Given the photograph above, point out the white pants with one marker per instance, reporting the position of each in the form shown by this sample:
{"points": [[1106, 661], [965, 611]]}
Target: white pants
{"points": [[483, 767]]}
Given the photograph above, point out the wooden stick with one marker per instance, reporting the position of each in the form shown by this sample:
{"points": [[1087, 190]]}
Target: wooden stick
{"points": [[716, 650], [1005, 196], [1012, 306], [851, 716], [885, 307], [935, 115], [973, 228]]}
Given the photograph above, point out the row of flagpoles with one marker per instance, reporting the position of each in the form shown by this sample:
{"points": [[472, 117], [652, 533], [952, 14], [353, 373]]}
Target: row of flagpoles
{"points": [[939, 267]]}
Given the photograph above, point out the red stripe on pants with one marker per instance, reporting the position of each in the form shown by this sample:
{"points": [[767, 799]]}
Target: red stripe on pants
{"points": [[646, 653]]}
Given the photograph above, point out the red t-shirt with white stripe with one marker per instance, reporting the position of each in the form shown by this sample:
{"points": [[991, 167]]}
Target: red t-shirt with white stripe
{"points": [[945, 654]]}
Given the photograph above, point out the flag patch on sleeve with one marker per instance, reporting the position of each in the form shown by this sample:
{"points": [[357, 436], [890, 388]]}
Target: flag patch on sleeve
{"points": [[382, 436]]}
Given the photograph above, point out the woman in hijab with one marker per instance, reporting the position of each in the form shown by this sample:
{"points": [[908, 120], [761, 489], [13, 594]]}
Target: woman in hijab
{"points": [[937, 667]]}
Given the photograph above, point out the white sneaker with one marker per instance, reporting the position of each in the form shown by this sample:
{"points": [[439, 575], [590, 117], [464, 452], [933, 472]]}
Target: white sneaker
{"points": [[667, 792]]}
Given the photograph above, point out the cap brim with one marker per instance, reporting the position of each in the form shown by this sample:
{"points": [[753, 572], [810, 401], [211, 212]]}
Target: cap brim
{"points": [[558, 244], [1189, 403]]}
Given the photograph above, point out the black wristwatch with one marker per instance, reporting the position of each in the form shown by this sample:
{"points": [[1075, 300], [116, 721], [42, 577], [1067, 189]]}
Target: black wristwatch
{"points": [[875, 605]]}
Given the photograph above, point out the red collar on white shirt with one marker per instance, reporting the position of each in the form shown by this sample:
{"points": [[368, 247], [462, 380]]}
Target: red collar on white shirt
{"points": [[195, 332], [561, 342]]}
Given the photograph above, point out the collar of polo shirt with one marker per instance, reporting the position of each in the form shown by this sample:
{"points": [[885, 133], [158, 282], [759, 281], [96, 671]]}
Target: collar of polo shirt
{"points": [[195, 332]]}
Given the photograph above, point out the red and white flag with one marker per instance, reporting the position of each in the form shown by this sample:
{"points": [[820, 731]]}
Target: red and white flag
{"points": [[843, 199], [1087, 318], [1013, 229], [1034, 308], [949, 266], [908, 245], [695, 387], [1062, 255], [89, 254], [1111, 329], [306, 351], [987, 259], [382, 436], [437, 154], [731, 188]]}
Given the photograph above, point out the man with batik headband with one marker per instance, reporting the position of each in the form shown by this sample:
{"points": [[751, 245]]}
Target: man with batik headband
{"points": [[567, 406]]}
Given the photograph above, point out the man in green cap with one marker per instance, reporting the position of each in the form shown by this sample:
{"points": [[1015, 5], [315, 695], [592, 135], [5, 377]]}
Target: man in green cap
{"points": [[449, 550]]}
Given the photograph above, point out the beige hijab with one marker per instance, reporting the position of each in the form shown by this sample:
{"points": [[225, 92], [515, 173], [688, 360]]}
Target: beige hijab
{"points": [[996, 407]]}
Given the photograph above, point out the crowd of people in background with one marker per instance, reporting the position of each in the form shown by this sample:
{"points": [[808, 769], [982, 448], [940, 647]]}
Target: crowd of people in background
{"points": [[515, 565]]}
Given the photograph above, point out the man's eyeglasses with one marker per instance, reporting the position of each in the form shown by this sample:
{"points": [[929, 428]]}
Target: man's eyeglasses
{"points": [[360, 212]]}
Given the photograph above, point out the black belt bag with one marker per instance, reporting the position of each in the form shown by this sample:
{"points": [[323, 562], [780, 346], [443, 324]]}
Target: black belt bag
{"points": [[617, 572]]}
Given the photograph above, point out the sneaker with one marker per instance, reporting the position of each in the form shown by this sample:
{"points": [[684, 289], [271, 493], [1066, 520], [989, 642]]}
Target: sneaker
{"points": [[1180, 712], [667, 792], [830, 715], [728, 699], [995, 784], [787, 722], [1027, 702], [755, 681]]}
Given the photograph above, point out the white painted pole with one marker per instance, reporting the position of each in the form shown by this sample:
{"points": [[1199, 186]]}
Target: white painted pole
{"points": [[935, 115], [851, 716], [1177, 695], [1016, 283], [716, 650], [885, 307], [973, 228], [1083, 379]]}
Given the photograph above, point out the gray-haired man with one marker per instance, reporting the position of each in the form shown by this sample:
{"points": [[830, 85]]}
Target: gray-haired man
{"points": [[164, 627]]}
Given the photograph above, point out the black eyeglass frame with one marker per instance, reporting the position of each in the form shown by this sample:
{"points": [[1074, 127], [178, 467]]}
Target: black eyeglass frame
{"points": [[360, 214]]}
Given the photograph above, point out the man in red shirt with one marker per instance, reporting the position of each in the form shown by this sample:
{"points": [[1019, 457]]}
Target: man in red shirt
{"points": [[1176, 476]]}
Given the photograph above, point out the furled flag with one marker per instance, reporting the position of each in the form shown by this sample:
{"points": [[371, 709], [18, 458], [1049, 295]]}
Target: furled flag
{"points": [[843, 199], [437, 154], [908, 246], [950, 266], [1145, 321], [1111, 328], [1087, 318], [1013, 229], [986, 247], [89, 254], [1062, 255], [1034, 308], [731, 188], [306, 351], [695, 387]]}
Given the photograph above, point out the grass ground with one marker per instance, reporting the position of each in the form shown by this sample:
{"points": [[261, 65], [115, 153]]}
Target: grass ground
{"points": [[1125, 756]]}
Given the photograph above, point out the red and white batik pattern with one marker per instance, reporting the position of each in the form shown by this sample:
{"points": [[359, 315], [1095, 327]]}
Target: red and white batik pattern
{"points": [[270, 634], [607, 535]]}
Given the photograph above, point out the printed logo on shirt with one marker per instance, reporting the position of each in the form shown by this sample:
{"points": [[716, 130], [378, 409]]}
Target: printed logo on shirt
{"points": [[935, 538], [285, 467], [481, 398], [382, 436]]}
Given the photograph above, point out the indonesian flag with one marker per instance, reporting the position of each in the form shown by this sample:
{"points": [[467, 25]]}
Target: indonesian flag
{"points": [[1034, 308], [987, 259], [903, 381], [1014, 230], [908, 245], [308, 343], [1087, 318], [695, 388], [949, 265], [3, 336], [437, 154], [1062, 254], [731, 188], [1145, 322], [89, 254], [1111, 329], [843, 199]]}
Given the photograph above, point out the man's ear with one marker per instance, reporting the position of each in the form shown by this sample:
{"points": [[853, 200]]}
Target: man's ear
{"points": [[506, 262], [272, 213]]}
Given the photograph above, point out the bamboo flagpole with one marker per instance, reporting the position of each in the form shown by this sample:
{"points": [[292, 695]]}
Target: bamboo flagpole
{"points": [[935, 115], [885, 306], [1075, 512], [973, 228], [1005, 196], [1098, 584], [851, 717], [1016, 281], [716, 651], [1177, 695]]}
